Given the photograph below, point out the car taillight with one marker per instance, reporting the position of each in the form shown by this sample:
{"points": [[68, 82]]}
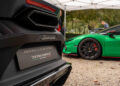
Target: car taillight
{"points": [[31, 2], [59, 28]]}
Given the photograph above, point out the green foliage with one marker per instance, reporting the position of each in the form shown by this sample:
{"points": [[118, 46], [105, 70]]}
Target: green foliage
{"points": [[78, 21], [70, 35]]}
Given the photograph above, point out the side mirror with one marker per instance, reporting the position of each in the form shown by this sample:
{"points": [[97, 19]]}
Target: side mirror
{"points": [[111, 33]]}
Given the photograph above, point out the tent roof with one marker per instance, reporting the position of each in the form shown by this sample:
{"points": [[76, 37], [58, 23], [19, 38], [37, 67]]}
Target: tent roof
{"points": [[85, 4]]}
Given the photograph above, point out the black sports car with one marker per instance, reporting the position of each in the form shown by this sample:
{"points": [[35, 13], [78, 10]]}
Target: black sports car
{"points": [[30, 45], [96, 30]]}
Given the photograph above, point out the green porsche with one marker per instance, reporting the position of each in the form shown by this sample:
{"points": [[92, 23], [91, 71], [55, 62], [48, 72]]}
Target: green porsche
{"points": [[105, 43]]}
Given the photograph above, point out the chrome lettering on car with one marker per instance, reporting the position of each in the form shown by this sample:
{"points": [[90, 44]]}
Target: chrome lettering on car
{"points": [[48, 37], [41, 56]]}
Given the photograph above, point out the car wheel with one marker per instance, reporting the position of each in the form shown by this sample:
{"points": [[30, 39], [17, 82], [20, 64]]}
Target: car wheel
{"points": [[89, 49]]}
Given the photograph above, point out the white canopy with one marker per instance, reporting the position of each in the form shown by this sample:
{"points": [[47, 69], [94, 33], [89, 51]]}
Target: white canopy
{"points": [[70, 5], [85, 4]]}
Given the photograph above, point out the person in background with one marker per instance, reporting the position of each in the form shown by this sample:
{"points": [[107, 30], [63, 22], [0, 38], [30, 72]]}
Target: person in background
{"points": [[105, 24], [60, 26]]}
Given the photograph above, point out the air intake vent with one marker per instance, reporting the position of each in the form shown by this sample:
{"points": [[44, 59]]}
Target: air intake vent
{"points": [[38, 20], [43, 19]]}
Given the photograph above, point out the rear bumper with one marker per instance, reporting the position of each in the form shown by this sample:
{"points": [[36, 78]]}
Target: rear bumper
{"points": [[58, 70], [56, 78]]}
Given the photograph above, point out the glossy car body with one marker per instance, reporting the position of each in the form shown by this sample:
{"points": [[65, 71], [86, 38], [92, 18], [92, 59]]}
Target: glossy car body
{"points": [[109, 40], [28, 38]]}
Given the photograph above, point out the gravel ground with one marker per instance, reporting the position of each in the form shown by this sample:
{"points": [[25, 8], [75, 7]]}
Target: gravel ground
{"points": [[101, 72]]}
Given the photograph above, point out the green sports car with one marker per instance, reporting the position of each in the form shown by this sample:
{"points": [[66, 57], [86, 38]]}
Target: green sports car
{"points": [[105, 43]]}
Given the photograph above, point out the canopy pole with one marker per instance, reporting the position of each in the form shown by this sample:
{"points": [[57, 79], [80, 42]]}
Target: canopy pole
{"points": [[65, 21]]}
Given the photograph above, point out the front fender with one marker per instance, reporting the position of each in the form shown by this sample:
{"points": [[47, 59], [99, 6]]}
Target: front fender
{"points": [[100, 38]]}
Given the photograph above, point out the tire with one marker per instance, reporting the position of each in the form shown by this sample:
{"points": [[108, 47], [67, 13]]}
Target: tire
{"points": [[89, 48]]}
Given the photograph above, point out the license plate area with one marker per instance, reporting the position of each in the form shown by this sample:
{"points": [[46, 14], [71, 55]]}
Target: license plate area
{"points": [[31, 56]]}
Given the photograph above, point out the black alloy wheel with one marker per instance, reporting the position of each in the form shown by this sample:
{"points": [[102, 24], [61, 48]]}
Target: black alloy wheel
{"points": [[89, 49]]}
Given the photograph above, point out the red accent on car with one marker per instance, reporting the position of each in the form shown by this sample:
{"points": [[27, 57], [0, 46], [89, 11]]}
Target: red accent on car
{"points": [[73, 55], [59, 28], [31, 2], [70, 54], [96, 49], [48, 85], [112, 31]]}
